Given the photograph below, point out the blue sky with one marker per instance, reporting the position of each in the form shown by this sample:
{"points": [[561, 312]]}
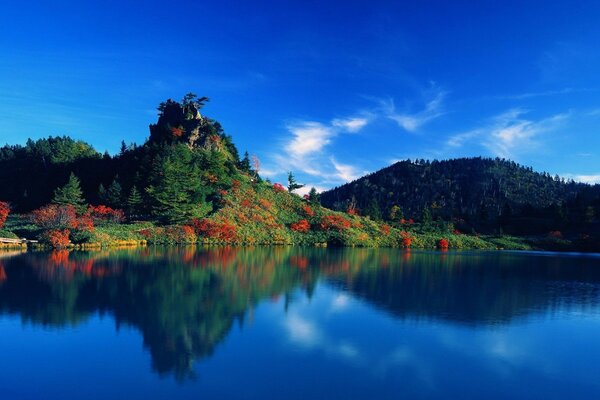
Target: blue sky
{"points": [[329, 90]]}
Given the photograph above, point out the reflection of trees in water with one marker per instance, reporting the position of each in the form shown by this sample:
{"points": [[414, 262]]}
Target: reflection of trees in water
{"points": [[185, 300]]}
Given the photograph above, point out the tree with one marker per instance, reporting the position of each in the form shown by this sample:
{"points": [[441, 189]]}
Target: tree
{"points": [[134, 203], [176, 193], [396, 213], [292, 184], [314, 196], [426, 217], [114, 195], [70, 194], [373, 210], [245, 163], [102, 196]]}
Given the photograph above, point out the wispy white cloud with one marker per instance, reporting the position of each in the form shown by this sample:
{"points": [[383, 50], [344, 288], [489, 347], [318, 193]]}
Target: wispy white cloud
{"points": [[411, 122], [345, 172], [591, 179], [509, 133], [350, 124], [305, 151]]}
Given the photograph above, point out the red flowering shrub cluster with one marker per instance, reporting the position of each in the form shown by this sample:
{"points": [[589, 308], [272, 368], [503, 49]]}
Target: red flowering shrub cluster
{"points": [[307, 210], [4, 211], [177, 132], [224, 231], [407, 221], [300, 226], [443, 244], [385, 229], [266, 204], [278, 187], [352, 210], [457, 232], [57, 238], [555, 234], [106, 214], [54, 216], [406, 239], [180, 234], [335, 222]]}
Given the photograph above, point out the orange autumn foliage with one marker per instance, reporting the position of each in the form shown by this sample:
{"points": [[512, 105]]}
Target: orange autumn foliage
{"points": [[335, 222], [4, 211], [307, 210], [301, 226], [443, 244], [57, 238]]}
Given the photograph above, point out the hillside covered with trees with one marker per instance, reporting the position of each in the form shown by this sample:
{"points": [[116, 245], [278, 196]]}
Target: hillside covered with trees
{"points": [[188, 184], [489, 195]]}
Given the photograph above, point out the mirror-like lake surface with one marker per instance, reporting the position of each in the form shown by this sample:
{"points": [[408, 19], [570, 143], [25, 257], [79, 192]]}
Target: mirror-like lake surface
{"points": [[292, 323]]}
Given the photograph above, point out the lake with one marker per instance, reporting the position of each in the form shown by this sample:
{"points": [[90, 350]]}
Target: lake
{"points": [[295, 323]]}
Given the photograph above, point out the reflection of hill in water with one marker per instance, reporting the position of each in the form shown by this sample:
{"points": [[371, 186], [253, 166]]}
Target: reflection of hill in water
{"points": [[185, 301]]}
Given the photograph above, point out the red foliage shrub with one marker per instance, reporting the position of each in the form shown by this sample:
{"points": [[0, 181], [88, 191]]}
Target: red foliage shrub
{"points": [[177, 132], [307, 210], [57, 238], [55, 216], [443, 244], [278, 187], [301, 226], [385, 229], [352, 210], [212, 178], [4, 211], [555, 234], [266, 204], [457, 232], [406, 242], [180, 234], [224, 231], [335, 222], [411, 221], [246, 203], [104, 213], [235, 184]]}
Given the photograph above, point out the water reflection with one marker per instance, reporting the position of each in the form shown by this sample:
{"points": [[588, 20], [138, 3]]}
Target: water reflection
{"points": [[185, 301]]}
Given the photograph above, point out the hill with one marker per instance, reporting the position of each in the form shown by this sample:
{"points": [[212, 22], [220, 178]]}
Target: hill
{"points": [[476, 193]]}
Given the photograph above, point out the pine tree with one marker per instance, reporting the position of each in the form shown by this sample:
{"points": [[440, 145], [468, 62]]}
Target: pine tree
{"points": [[114, 195], [102, 196], [134, 203], [426, 217], [245, 163], [176, 192], [373, 210], [70, 194], [292, 184], [314, 196]]}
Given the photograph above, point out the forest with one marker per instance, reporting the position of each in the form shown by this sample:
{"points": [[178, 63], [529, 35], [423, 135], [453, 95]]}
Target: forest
{"points": [[188, 184]]}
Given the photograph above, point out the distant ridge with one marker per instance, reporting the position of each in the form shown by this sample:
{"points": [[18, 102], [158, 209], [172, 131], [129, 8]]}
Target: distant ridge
{"points": [[479, 190]]}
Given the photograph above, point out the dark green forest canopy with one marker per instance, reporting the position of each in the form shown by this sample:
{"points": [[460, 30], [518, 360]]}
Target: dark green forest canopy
{"points": [[176, 173], [486, 193], [188, 160]]}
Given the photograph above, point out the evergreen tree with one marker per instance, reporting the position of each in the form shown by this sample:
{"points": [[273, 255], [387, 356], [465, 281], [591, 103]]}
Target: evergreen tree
{"points": [[292, 184], [426, 217], [134, 203], [373, 210], [314, 196], [176, 192], [245, 163], [102, 195], [70, 194], [114, 195]]}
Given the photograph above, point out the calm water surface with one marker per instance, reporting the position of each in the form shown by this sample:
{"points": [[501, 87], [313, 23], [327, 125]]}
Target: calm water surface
{"points": [[289, 323]]}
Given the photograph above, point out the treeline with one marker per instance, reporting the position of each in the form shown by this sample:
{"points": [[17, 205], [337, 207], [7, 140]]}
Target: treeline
{"points": [[174, 176], [476, 193]]}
